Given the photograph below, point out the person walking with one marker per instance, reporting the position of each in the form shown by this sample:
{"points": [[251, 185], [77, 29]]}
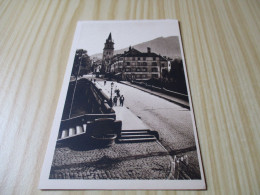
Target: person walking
{"points": [[122, 99], [115, 101], [118, 93]]}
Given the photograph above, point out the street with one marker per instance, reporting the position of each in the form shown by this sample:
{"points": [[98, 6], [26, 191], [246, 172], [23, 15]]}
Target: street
{"points": [[171, 121]]}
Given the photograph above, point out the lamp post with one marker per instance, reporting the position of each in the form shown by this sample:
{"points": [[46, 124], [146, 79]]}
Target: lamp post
{"points": [[81, 57], [160, 71], [112, 85]]}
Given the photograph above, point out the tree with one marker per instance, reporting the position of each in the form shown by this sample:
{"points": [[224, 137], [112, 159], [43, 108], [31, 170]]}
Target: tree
{"points": [[81, 61], [177, 75], [164, 73]]}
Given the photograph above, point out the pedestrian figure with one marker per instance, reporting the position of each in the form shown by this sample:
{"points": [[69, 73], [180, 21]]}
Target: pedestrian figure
{"points": [[115, 101], [105, 82], [118, 93], [122, 99]]}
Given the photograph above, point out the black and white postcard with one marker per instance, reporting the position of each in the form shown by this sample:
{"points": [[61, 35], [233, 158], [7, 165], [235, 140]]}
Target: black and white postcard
{"points": [[124, 119]]}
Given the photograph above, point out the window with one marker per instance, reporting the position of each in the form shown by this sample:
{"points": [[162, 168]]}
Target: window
{"points": [[154, 64], [128, 63], [133, 58], [144, 75], [162, 65], [144, 64], [138, 70], [133, 63], [144, 69], [154, 70], [155, 75], [144, 58], [138, 58], [127, 69], [154, 58]]}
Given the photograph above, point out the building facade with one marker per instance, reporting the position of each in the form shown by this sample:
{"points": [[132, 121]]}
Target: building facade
{"points": [[97, 65], [136, 65]]}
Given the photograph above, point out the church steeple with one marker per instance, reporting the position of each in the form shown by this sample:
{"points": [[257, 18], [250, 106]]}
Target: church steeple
{"points": [[109, 37], [108, 50], [109, 44]]}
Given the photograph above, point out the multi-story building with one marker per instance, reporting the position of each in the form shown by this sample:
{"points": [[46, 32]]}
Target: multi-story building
{"points": [[97, 64], [136, 65]]}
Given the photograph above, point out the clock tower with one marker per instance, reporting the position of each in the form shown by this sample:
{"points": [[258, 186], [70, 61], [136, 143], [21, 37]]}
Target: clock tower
{"points": [[108, 50]]}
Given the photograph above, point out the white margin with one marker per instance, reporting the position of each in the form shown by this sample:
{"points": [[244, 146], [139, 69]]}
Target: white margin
{"points": [[46, 183]]}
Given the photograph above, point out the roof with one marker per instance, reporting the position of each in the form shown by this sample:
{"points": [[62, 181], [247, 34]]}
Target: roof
{"points": [[109, 37], [135, 53]]}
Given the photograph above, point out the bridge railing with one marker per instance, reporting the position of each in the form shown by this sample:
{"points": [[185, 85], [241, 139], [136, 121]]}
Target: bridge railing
{"points": [[163, 90], [102, 99], [83, 119], [94, 126]]}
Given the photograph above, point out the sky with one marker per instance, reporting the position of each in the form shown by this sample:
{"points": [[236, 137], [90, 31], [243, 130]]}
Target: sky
{"points": [[93, 35]]}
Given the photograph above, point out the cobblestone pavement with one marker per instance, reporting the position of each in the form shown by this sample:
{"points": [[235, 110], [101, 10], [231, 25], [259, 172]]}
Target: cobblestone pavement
{"points": [[120, 161]]}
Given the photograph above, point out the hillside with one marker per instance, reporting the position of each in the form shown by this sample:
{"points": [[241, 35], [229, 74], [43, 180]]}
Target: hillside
{"points": [[166, 46]]}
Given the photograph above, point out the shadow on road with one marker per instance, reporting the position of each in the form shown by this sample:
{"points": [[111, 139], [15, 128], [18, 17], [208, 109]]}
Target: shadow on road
{"points": [[108, 162]]}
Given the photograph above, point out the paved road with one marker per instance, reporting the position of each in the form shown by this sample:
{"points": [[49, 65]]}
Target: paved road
{"points": [[173, 122]]}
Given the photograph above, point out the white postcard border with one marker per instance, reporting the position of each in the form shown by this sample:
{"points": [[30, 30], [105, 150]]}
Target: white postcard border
{"points": [[46, 183]]}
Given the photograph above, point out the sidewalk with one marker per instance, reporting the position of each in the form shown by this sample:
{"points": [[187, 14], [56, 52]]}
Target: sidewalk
{"points": [[162, 95], [129, 120]]}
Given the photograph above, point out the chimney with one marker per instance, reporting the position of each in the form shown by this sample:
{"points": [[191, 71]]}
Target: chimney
{"points": [[148, 50]]}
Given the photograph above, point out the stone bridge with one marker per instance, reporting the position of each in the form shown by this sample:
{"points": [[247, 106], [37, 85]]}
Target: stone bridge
{"points": [[89, 117]]}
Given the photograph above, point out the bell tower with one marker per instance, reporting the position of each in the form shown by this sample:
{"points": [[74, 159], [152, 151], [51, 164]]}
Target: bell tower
{"points": [[108, 50]]}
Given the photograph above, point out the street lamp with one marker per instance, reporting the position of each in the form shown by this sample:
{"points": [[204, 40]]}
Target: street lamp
{"points": [[112, 85], [76, 82]]}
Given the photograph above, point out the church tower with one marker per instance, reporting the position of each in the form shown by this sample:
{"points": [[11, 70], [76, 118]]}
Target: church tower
{"points": [[108, 50]]}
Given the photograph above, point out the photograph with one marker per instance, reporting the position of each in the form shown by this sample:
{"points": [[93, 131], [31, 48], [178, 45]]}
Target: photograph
{"points": [[124, 119]]}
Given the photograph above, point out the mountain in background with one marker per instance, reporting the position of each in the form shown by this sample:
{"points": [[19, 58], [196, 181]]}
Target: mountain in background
{"points": [[166, 46]]}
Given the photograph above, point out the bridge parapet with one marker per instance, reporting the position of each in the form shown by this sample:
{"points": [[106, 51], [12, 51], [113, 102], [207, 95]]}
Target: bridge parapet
{"points": [[102, 99], [92, 125]]}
